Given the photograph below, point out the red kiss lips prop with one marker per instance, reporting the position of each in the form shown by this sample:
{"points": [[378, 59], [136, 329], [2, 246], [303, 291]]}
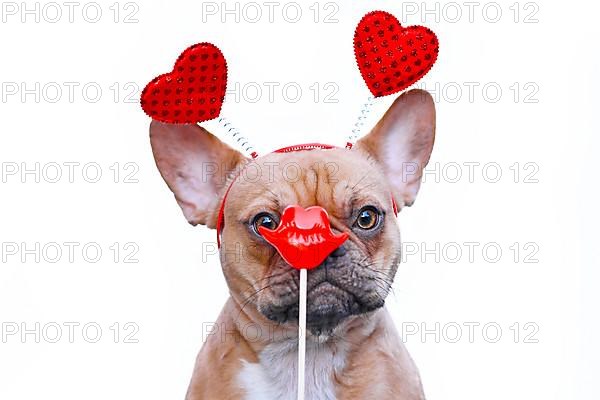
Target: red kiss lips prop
{"points": [[193, 91], [304, 237], [390, 57]]}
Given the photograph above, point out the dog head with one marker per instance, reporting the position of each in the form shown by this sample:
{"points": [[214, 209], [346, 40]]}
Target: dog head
{"points": [[356, 187]]}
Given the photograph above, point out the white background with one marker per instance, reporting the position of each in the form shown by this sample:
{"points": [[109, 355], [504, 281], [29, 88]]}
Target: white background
{"points": [[171, 292]]}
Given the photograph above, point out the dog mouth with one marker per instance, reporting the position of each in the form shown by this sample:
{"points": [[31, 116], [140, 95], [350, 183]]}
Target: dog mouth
{"points": [[328, 305]]}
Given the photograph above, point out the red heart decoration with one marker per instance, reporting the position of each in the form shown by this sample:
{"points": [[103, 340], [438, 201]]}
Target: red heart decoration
{"points": [[193, 92], [391, 58], [304, 238]]}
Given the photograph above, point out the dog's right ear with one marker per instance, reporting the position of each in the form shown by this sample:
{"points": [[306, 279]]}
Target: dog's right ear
{"points": [[402, 142], [195, 165]]}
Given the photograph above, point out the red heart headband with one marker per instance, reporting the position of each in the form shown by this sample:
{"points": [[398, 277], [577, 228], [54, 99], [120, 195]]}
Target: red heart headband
{"points": [[390, 58]]}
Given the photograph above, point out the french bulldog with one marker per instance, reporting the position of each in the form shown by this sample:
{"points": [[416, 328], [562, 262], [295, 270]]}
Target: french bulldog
{"points": [[353, 350]]}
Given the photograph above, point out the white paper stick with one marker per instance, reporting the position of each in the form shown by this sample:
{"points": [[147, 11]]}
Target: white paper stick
{"points": [[302, 334]]}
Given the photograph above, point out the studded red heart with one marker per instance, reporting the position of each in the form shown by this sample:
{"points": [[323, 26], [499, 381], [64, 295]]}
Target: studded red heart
{"points": [[391, 57], [193, 91]]}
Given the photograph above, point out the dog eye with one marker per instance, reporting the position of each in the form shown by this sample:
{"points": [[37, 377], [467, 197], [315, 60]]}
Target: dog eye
{"points": [[368, 218], [265, 220]]}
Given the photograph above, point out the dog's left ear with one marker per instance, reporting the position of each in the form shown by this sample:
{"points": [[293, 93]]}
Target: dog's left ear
{"points": [[402, 141]]}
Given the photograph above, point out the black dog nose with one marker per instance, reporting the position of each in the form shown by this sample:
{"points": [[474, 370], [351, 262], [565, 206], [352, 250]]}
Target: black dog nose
{"points": [[339, 252]]}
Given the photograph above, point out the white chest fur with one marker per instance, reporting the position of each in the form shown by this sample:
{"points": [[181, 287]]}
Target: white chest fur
{"points": [[274, 376]]}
